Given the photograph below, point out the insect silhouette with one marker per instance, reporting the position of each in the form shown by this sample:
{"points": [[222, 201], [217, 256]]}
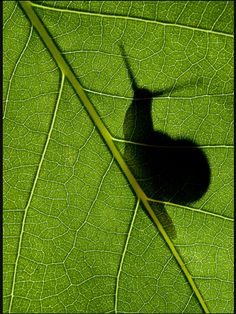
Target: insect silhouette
{"points": [[168, 169]]}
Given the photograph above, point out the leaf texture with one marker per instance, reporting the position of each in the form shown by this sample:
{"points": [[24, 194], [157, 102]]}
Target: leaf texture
{"points": [[76, 237]]}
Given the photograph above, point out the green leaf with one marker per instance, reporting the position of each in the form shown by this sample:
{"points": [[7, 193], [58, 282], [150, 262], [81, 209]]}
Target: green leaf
{"points": [[76, 237]]}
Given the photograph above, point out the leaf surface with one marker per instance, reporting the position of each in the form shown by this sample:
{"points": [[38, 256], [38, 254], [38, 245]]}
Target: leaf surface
{"points": [[76, 238]]}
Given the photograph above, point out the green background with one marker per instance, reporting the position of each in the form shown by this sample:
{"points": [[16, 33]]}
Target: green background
{"points": [[70, 243]]}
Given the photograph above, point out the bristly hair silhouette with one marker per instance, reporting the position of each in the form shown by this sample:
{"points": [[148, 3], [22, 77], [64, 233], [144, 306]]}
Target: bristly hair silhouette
{"points": [[173, 170]]}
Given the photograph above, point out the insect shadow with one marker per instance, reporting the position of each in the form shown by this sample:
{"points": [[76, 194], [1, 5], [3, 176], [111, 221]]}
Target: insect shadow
{"points": [[168, 169]]}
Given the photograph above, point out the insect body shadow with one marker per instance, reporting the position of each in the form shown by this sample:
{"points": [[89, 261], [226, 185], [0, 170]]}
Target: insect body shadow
{"points": [[173, 170]]}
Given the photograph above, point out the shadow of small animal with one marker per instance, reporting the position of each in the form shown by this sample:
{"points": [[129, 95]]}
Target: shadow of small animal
{"points": [[173, 170]]}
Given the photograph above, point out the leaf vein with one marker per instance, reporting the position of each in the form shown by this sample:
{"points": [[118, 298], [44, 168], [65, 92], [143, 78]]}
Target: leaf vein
{"points": [[22, 231]]}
